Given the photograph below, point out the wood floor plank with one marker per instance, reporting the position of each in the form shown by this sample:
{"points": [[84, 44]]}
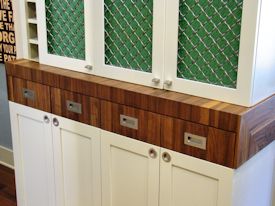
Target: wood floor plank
{"points": [[7, 187]]}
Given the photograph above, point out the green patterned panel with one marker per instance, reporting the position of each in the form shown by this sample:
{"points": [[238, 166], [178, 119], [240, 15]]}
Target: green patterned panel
{"points": [[65, 28], [128, 34], [209, 38]]}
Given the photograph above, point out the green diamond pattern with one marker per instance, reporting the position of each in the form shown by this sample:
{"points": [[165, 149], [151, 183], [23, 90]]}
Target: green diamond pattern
{"points": [[209, 38], [128, 34], [65, 28]]}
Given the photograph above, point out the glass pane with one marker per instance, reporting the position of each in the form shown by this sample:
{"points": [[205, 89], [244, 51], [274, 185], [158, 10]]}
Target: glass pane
{"points": [[128, 34], [65, 28], [209, 38]]}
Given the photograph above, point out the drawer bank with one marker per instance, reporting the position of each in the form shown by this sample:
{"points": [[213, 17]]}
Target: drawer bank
{"points": [[84, 137]]}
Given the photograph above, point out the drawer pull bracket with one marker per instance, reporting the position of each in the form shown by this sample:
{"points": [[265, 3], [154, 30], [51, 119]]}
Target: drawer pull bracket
{"points": [[195, 141], [129, 122], [28, 94], [74, 107]]}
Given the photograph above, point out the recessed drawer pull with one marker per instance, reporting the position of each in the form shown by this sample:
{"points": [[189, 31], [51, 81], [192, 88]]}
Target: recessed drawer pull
{"points": [[195, 141], [74, 107], [129, 122], [28, 94]]}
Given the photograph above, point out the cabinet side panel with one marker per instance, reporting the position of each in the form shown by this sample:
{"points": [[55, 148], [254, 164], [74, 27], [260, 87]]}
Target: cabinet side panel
{"points": [[264, 84], [253, 183], [33, 156]]}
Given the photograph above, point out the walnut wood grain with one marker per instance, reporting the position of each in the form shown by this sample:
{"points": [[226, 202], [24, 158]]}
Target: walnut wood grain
{"points": [[256, 130], [220, 144], [90, 106], [10, 88], [248, 129], [42, 99], [148, 122], [199, 110]]}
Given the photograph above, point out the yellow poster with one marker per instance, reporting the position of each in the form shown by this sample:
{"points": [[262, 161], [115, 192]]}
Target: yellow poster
{"points": [[7, 36]]}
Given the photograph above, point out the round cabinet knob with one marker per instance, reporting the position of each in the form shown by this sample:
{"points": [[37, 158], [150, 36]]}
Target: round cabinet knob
{"points": [[55, 122], [46, 119], [89, 67], [153, 153], [168, 83], [156, 80], [166, 157]]}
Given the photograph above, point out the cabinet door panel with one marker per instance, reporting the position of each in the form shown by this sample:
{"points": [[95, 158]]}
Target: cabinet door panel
{"points": [[64, 31], [77, 163], [211, 46], [32, 146], [129, 40], [129, 175], [189, 181]]}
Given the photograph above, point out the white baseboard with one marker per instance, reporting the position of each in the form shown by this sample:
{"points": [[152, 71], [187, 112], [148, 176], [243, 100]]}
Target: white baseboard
{"points": [[6, 157]]}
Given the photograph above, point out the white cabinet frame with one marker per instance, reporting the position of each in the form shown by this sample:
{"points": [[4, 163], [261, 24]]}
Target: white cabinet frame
{"points": [[242, 95], [124, 74], [59, 61]]}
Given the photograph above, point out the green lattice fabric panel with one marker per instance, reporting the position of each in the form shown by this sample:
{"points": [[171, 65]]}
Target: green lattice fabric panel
{"points": [[128, 34], [65, 28], [209, 39]]}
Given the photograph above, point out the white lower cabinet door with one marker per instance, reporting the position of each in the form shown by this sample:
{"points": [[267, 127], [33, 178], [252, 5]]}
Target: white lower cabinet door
{"points": [[187, 181], [77, 163], [130, 171], [32, 146]]}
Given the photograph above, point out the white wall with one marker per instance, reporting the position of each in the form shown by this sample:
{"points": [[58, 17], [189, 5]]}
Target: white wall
{"points": [[254, 181], [5, 132]]}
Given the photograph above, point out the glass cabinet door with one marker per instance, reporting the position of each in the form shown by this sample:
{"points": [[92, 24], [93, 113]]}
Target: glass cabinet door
{"points": [[129, 40], [208, 41], [64, 33], [205, 49]]}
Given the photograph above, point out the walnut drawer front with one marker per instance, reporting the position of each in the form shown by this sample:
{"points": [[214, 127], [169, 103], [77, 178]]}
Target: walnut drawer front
{"points": [[220, 144], [75, 106], [30, 94], [131, 122]]}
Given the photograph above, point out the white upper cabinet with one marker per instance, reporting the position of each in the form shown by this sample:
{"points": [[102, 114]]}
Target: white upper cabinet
{"points": [[65, 33], [129, 40], [221, 50], [213, 49]]}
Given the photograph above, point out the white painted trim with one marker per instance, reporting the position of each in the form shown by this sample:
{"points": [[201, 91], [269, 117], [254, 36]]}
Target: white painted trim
{"points": [[59, 61], [242, 95], [124, 74], [20, 27], [6, 157]]}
